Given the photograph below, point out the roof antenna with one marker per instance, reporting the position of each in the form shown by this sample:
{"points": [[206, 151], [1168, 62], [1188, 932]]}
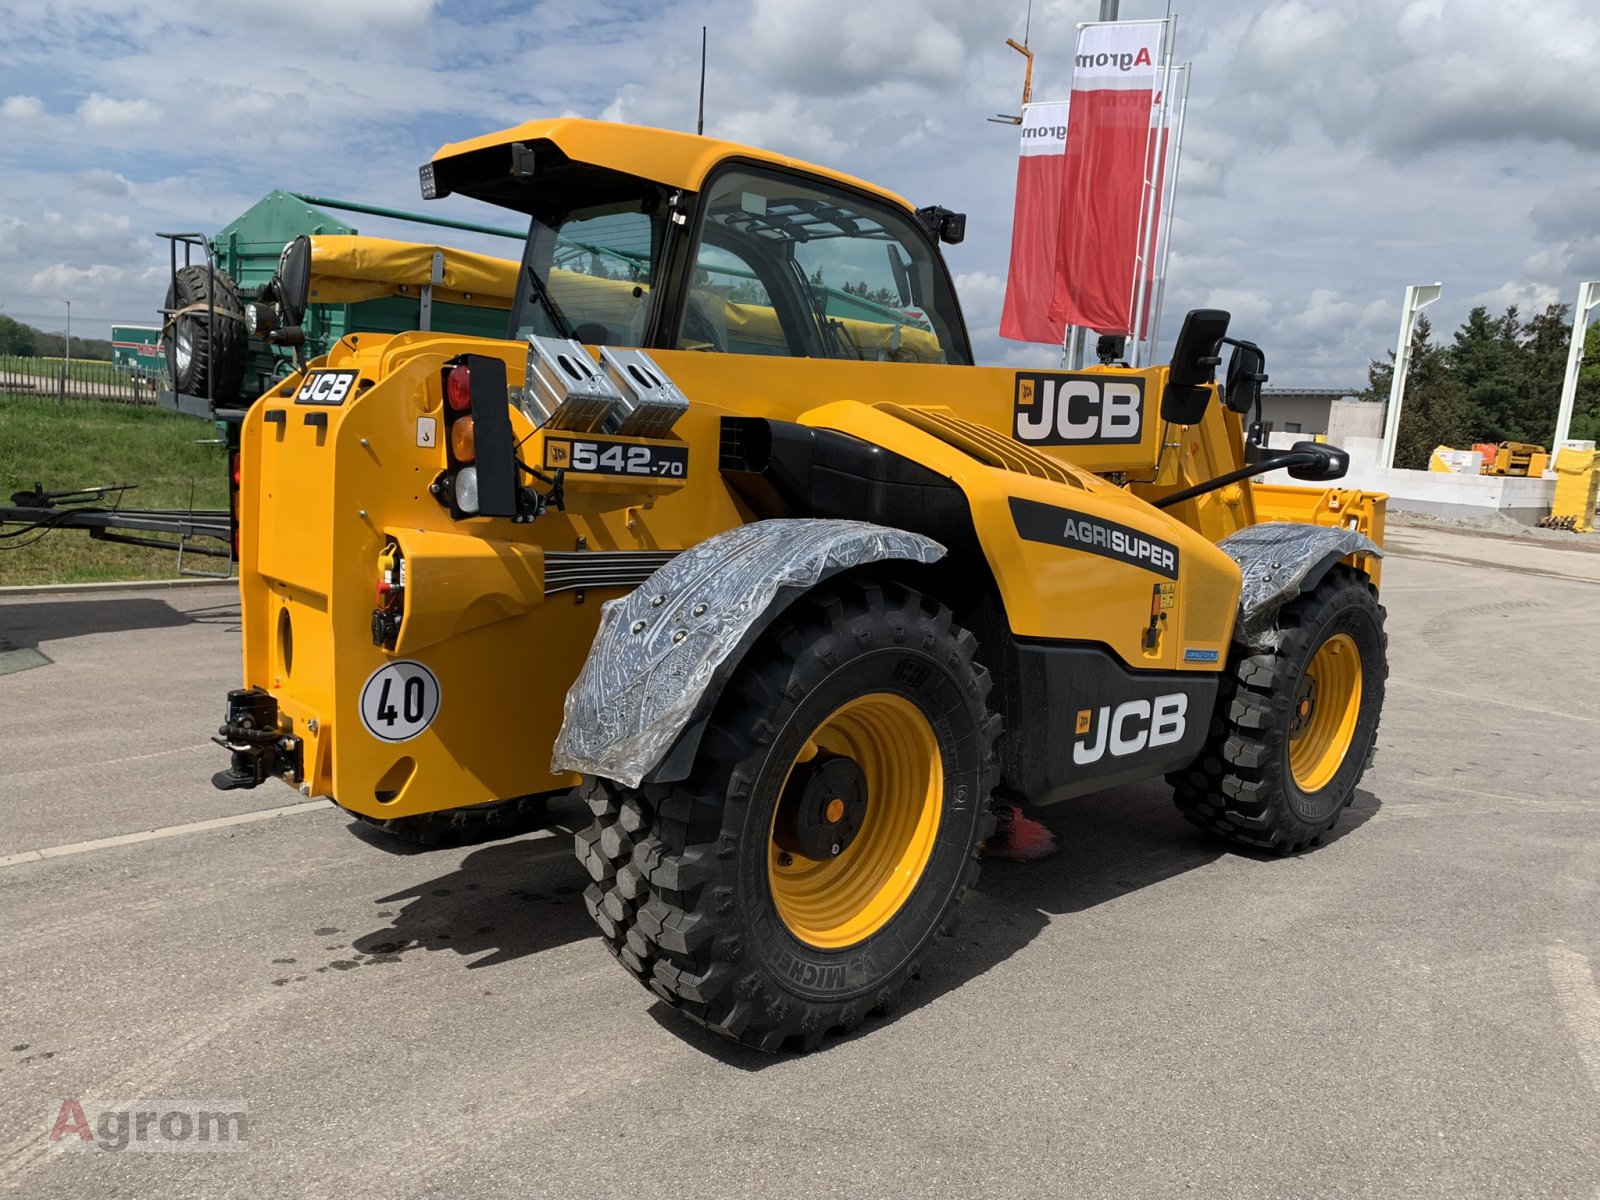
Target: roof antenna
{"points": [[1027, 78], [700, 125]]}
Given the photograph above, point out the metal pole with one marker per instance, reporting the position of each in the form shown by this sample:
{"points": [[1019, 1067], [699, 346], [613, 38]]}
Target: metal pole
{"points": [[1418, 297], [700, 123], [1171, 202], [1588, 301], [1108, 10], [1149, 222]]}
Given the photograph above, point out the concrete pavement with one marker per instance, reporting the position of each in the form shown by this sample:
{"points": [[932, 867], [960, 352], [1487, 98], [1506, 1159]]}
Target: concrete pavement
{"points": [[1410, 1010]]}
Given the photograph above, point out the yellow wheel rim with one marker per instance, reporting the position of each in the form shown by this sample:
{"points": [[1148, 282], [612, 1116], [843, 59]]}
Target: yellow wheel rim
{"points": [[843, 900], [1327, 704]]}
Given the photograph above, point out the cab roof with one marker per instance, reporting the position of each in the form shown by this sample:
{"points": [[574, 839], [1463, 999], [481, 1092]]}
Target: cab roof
{"points": [[681, 160]]}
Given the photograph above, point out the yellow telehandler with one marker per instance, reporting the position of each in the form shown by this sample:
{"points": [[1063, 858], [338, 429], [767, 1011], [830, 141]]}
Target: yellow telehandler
{"points": [[731, 535]]}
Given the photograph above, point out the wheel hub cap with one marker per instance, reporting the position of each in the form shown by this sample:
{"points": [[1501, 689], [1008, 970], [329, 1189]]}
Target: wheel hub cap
{"points": [[822, 807]]}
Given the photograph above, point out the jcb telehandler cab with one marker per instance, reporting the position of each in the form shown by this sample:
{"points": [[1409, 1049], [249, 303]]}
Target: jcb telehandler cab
{"points": [[730, 535]]}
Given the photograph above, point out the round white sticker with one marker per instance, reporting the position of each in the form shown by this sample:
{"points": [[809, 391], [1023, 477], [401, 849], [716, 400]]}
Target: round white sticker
{"points": [[399, 701]]}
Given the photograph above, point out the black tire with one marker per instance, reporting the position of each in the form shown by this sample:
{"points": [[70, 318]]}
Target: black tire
{"points": [[465, 826], [215, 348], [1243, 785], [681, 886]]}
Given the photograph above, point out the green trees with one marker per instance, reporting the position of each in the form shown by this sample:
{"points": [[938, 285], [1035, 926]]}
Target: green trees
{"points": [[1586, 407], [1498, 381], [17, 338]]}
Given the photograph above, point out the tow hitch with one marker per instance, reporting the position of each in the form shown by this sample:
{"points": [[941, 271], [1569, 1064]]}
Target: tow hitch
{"points": [[259, 748]]}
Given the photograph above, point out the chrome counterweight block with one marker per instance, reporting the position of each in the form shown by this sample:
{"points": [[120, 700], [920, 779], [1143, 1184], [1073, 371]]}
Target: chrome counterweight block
{"points": [[651, 402], [565, 390]]}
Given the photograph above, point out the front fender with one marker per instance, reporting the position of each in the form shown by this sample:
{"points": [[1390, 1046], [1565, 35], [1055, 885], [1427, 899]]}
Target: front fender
{"points": [[1279, 561], [660, 648]]}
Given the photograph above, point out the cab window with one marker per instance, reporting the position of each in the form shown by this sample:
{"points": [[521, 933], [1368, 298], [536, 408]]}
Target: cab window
{"points": [[790, 267]]}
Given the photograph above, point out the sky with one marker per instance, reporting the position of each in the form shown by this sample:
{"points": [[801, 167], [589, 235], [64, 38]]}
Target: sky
{"points": [[1335, 152]]}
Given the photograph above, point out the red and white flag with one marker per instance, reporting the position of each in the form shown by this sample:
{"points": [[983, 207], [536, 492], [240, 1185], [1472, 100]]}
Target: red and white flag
{"points": [[1111, 178], [1036, 226]]}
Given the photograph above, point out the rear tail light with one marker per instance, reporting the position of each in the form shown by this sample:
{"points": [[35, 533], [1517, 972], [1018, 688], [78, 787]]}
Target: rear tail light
{"points": [[233, 501], [458, 389]]}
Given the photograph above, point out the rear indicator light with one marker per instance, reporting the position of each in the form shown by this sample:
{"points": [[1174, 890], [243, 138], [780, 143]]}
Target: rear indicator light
{"points": [[458, 389], [463, 442]]}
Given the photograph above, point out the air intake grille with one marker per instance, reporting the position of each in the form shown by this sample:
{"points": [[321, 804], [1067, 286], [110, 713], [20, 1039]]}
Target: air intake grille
{"points": [[984, 444], [568, 571]]}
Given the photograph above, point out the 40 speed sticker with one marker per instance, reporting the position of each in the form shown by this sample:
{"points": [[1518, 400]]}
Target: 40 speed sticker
{"points": [[399, 701]]}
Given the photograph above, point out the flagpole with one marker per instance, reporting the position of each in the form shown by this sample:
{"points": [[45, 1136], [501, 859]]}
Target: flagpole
{"points": [[1168, 206], [1149, 220]]}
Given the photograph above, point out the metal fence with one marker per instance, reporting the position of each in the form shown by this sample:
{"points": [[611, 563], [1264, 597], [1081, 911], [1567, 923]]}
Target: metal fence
{"points": [[79, 379]]}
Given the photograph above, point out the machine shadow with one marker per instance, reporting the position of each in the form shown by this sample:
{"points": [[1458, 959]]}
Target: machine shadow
{"points": [[513, 898], [25, 626], [1111, 844], [505, 900]]}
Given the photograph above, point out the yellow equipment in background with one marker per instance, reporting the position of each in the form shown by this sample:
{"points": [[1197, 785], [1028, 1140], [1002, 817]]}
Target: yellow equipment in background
{"points": [[1577, 486], [1518, 458]]}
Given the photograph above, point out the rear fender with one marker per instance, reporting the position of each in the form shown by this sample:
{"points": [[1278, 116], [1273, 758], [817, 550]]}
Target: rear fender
{"points": [[663, 652], [1279, 560]]}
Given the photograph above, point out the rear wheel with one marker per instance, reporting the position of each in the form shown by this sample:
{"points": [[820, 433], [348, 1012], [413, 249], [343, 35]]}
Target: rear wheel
{"points": [[1295, 727], [826, 834]]}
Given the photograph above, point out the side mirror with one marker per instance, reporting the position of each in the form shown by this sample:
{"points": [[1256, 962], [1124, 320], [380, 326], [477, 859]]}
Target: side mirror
{"points": [[1247, 371], [294, 280], [901, 270], [1331, 462], [1194, 366]]}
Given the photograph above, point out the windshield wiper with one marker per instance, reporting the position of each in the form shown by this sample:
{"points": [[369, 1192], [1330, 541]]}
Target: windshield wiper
{"points": [[558, 318]]}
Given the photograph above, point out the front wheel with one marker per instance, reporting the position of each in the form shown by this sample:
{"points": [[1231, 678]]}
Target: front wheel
{"points": [[1295, 726], [826, 834]]}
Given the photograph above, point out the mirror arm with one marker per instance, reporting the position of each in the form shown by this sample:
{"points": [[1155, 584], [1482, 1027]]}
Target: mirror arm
{"points": [[1294, 458]]}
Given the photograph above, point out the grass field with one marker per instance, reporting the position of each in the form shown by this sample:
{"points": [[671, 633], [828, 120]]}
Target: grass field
{"points": [[85, 443], [88, 370]]}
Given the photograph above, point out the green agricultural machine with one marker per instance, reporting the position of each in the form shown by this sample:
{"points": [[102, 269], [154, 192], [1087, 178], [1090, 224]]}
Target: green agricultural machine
{"points": [[285, 280]]}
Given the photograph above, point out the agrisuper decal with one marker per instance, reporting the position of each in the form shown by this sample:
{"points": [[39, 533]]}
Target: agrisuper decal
{"points": [[1060, 409], [1055, 526], [1132, 726]]}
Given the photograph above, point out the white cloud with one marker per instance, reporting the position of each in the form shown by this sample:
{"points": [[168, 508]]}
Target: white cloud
{"points": [[104, 112], [107, 183], [21, 108]]}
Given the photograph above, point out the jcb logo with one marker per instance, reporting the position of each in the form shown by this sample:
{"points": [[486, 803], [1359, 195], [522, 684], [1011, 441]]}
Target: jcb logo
{"points": [[326, 387], [1079, 410], [1133, 726]]}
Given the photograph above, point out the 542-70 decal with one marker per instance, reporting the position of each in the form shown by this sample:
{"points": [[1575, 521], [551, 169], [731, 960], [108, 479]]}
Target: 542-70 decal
{"points": [[602, 456]]}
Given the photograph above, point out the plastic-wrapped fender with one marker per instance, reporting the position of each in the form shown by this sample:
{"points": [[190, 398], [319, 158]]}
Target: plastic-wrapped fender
{"points": [[660, 648], [1279, 560]]}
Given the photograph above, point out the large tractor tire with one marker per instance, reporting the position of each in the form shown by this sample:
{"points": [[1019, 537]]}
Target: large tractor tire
{"points": [[207, 350], [1295, 727], [830, 826]]}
